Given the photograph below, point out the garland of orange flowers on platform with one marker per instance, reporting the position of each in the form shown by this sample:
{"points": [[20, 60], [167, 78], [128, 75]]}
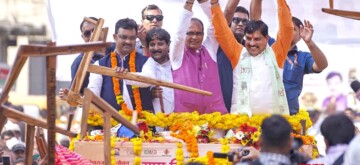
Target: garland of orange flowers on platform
{"points": [[185, 133], [117, 92]]}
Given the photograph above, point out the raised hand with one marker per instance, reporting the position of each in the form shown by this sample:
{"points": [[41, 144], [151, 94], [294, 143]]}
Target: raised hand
{"points": [[142, 35], [63, 93], [156, 92], [306, 31]]}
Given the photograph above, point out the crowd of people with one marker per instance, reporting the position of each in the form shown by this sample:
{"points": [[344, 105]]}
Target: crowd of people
{"points": [[247, 71]]}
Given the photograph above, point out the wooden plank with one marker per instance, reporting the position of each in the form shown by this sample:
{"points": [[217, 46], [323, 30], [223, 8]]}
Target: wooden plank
{"points": [[106, 107], [51, 106], [87, 19], [86, 108], [81, 72], [105, 32], [43, 50], [12, 113], [130, 76], [41, 142], [71, 117], [3, 119], [107, 138], [13, 75], [343, 13], [30, 132], [331, 4]]}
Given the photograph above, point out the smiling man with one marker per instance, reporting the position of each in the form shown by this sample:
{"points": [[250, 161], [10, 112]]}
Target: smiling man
{"points": [[193, 61], [258, 88], [124, 56]]}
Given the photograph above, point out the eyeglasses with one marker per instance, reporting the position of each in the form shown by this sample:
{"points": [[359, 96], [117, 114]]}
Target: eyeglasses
{"points": [[195, 33], [87, 33], [237, 20], [152, 17]]}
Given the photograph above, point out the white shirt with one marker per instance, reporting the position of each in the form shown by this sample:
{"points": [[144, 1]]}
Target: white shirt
{"points": [[161, 72], [178, 44], [261, 95], [96, 81]]}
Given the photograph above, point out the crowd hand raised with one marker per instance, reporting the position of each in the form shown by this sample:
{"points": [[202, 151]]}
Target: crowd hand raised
{"points": [[64, 93], [306, 31], [157, 92], [142, 35]]}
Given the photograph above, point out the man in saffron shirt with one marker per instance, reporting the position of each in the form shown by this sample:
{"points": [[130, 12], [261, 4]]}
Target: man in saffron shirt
{"points": [[256, 68]]}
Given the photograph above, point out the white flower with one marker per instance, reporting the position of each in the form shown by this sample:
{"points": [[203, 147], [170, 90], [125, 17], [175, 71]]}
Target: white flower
{"points": [[239, 135]]}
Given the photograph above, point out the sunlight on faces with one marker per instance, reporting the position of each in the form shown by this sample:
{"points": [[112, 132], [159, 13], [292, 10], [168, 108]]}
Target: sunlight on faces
{"points": [[255, 43], [159, 50], [239, 28], [149, 24], [194, 36], [125, 40]]}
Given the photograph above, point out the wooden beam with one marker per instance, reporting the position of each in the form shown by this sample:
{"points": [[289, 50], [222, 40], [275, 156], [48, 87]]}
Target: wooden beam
{"points": [[85, 113], [41, 142], [43, 50], [12, 113], [130, 76], [30, 132], [14, 73], [3, 119], [87, 19], [105, 32], [343, 13], [331, 4], [51, 106], [81, 72], [106, 107], [107, 138]]}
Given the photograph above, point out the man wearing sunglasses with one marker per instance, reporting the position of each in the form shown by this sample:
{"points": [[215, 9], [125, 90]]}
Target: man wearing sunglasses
{"points": [[86, 29], [237, 18], [193, 61]]}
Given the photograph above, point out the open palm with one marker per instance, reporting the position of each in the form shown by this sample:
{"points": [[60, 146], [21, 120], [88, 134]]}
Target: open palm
{"points": [[306, 31]]}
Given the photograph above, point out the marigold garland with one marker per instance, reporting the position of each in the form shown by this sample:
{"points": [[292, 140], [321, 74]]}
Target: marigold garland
{"points": [[116, 85], [179, 154], [112, 154], [137, 150], [186, 133]]}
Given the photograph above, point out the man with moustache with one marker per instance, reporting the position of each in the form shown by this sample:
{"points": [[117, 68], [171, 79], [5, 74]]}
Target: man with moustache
{"points": [[103, 86], [194, 63], [256, 68]]}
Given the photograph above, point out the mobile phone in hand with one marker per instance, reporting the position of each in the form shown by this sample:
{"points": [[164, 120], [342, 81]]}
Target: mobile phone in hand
{"points": [[5, 160]]}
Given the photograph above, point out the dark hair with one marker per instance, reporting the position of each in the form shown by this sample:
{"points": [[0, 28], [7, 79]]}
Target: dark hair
{"points": [[255, 25], [197, 19], [275, 131], [241, 9], [338, 129], [157, 33], [7, 133], [297, 22], [82, 23], [126, 23], [149, 7], [333, 74]]}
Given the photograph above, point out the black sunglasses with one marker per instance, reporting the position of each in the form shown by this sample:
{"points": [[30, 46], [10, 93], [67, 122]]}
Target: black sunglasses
{"points": [[87, 33], [152, 17], [237, 20]]}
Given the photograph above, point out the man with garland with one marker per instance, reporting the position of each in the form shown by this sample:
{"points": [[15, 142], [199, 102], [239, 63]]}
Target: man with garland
{"points": [[194, 63], [256, 68], [159, 67], [114, 90]]}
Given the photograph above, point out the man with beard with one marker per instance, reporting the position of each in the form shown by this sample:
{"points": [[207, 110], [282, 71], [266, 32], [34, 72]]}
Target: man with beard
{"points": [[111, 89], [194, 63], [237, 17], [257, 88], [159, 67]]}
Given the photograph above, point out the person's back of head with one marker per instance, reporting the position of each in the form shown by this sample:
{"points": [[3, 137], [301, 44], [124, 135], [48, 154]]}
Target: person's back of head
{"points": [[276, 135], [337, 129]]}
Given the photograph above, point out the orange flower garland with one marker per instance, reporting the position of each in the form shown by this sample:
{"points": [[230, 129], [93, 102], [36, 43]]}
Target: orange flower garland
{"points": [[116, 84], [186, 134]]}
